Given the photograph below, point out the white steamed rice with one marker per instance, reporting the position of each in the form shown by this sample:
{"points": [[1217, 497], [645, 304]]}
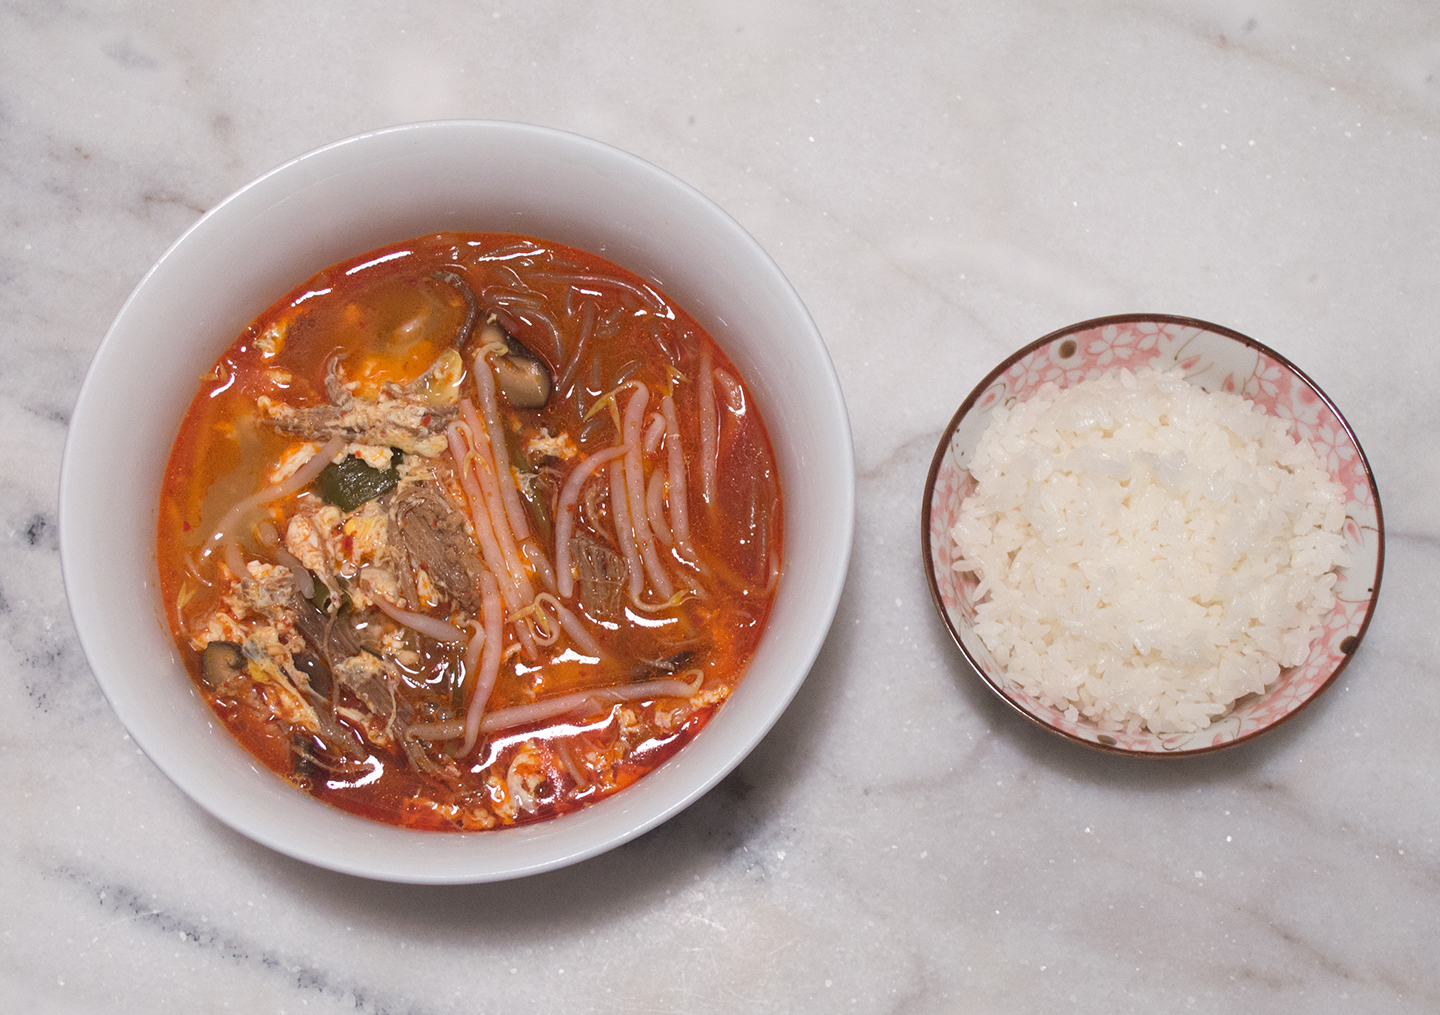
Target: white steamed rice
{"points": [[1147, 552]]}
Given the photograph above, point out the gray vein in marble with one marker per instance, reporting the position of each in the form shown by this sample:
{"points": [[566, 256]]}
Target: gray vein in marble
{"points": [[120, 903]]}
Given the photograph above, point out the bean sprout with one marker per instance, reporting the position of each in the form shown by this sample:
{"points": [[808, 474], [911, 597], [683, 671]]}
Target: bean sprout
{"points": [[679, 509], [485, 387], [564, 522], [492, 612], [517, 715], [304, 580], [624, 533], [297, 480], [429, 626], [654, 432], [709, 437], [655, 508]]}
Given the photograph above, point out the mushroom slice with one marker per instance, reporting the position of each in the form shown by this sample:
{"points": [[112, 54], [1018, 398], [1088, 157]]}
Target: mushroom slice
{"points": [[221, 663], [472, 306], [317, 674], [523, 377]]}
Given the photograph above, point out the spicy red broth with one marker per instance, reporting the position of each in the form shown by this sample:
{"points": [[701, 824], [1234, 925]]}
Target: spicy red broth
{"points": [[469, 531]]}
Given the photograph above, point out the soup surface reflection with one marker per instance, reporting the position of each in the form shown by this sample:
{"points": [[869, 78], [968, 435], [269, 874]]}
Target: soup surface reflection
{"points": [[469, 531]]}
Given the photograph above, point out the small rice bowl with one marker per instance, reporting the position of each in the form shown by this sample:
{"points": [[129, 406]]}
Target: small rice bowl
{"points": [[1147, 552]]}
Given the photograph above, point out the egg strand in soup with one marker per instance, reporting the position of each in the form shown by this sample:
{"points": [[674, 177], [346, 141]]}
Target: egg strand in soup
{"points": [[469, 531]]}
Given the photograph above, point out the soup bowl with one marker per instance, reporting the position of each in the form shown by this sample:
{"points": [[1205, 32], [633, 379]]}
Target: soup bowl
{"points": [[1215, 359], [345, 199]]}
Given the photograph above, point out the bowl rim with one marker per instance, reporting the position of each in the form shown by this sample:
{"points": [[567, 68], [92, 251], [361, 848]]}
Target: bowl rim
{"points": [[928, 502], [825, 578]]}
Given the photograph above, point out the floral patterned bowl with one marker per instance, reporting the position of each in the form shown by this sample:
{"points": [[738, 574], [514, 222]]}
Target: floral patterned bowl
{"points": [[1217, 359]]}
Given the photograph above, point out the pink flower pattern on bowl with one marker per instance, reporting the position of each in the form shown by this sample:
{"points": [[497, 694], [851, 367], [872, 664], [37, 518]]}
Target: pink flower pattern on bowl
{"points": [[1215, 358]]}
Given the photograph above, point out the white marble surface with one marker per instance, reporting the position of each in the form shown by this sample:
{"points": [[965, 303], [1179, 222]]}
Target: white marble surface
{"points": [[942, 183]]}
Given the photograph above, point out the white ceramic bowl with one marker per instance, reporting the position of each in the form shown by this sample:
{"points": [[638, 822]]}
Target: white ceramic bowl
{"points": [[345, 199], [1216, 359]]}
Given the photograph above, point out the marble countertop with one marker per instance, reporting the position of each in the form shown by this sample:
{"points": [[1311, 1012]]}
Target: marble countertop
{"points": [[942, 183]]}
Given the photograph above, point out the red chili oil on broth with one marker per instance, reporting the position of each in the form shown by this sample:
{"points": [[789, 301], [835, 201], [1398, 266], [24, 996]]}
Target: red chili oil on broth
{"points": [[469, 531]]}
